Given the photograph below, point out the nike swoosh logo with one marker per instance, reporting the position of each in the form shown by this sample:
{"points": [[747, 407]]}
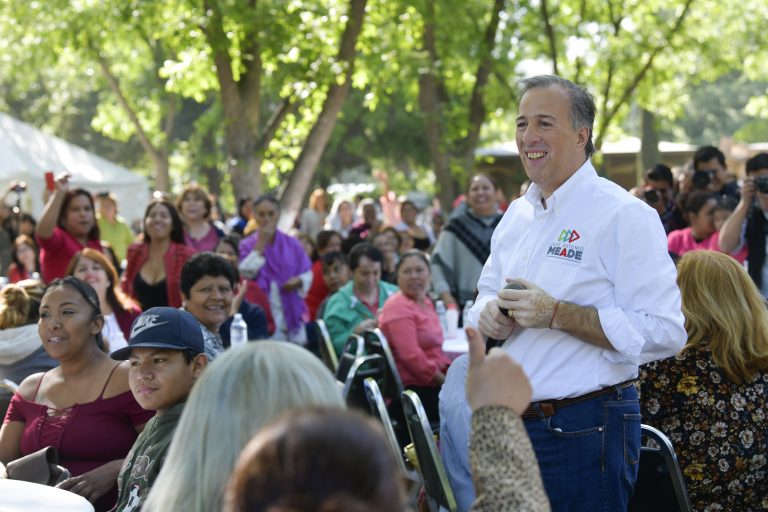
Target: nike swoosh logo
{"points": [[144, 328]]}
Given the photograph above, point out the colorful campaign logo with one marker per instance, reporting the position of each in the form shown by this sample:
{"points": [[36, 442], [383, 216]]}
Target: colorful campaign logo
{"points": [[564, 248]]}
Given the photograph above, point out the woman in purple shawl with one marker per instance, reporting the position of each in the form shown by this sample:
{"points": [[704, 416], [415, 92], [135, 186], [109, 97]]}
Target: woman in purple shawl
{"points": [[281, 268]]}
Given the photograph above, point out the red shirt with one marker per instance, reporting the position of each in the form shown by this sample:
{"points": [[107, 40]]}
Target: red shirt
{"points": [[416, 338], [57, 251], [318, 291], [174, 259]]}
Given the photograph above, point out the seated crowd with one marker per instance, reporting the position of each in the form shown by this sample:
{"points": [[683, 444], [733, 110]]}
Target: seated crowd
{"points": [[194, 422]]}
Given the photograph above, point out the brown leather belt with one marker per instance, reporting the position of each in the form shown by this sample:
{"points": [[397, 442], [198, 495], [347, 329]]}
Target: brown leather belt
{"points": [[549, 407]]}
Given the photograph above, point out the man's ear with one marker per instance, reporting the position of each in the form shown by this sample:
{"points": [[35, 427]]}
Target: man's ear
{"points": [[199, 363], [583, 135]]}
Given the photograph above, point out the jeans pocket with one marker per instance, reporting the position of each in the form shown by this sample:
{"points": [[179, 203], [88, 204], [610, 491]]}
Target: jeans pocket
{"points": [[631, 447]]}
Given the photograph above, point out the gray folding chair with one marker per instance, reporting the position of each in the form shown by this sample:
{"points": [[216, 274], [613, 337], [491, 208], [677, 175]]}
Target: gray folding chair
{"points": [[660, 484], [353, 349], [371, 366], [379, 410], [325, 346], [376, 343], [431, 467]]}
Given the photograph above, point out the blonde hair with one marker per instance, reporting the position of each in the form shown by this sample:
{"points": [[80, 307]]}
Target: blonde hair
{"points": [[243, 389], [317, 195], [20, 303], [724, 313]]}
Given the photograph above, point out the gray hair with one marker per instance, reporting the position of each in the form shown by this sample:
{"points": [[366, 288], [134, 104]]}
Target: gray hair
{"points": [[243, 389], [582, 102]]}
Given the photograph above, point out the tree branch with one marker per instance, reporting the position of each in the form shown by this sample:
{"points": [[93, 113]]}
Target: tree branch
{"points": [[641, 73], [286, 106], [550, 31], [114, 84], [477, 111], [228, 89]]}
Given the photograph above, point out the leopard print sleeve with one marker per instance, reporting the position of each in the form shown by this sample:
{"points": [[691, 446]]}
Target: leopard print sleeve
{"points": [[504, 467]]}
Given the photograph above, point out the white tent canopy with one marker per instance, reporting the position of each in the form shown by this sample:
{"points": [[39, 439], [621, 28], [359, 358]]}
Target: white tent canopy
{"points": [[26, 153]]}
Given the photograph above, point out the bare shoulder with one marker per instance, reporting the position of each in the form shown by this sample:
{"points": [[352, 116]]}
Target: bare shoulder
{"points": [[118, 382], [28, 385]]}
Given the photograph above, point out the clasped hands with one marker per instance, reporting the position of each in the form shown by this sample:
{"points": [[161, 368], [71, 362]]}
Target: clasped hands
{"points": [[532, 307]]}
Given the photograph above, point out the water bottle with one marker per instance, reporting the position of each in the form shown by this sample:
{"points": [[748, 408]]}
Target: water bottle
{"points": [[238, 331], [465, 313], [440, 309]]}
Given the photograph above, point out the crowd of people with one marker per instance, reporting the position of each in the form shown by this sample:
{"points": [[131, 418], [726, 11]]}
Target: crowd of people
{"points": [[597, 312]]}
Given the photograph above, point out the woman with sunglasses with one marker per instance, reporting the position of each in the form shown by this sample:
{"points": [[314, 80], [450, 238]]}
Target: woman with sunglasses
{"points": [[83, 408]]}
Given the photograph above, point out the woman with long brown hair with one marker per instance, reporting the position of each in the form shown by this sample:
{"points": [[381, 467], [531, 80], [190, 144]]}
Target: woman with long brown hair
{"points": [[68, 224], [153, 273], [118, 309]]}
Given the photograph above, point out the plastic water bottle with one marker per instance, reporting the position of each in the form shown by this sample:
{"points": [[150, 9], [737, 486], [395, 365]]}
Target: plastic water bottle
{"points": [[238, 331], [465, 313], [440, 309]]}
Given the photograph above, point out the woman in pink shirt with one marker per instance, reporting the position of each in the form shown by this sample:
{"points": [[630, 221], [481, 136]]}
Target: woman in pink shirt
{"points": [[68, 224], [410, 323]]}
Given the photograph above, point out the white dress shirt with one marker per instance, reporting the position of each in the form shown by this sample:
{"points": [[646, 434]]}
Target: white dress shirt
{"points": [[594, 245]]}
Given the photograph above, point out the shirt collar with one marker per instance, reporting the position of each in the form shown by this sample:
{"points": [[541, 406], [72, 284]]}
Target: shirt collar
{"points": [[559, 197]]}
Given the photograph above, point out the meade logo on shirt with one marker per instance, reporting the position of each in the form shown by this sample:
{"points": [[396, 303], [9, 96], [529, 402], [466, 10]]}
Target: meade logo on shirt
{"points": [[564, 249]]}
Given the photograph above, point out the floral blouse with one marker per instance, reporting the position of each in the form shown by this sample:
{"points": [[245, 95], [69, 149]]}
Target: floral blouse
{"points": [[719, 429]]}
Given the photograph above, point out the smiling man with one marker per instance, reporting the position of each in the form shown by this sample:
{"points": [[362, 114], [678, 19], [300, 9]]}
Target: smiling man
{"points": [[166, 356], [600, 298]]}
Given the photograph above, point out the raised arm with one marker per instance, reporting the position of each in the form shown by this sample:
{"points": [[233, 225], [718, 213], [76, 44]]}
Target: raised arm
{"points": [[50, 216], [729, 238]]}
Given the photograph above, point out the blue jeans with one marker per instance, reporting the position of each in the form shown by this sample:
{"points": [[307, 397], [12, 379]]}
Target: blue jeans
{"points": [[589, 452]]}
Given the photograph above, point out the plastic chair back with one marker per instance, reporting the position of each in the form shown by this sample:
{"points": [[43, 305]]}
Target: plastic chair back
{"points": [[352, 350], [325, 346], [379, 410], [660, 484], [431, 466], [364, 367]]}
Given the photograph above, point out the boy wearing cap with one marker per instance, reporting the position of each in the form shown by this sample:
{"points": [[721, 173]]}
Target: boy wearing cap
{"points": [[166, 355]]}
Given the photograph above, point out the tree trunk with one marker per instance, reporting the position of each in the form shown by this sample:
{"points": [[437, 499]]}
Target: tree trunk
{"points": [[649, 145], [306, 164], [431, 106]]}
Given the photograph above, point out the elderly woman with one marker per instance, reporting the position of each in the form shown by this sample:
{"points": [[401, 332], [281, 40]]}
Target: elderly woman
{"points": [[195, 207], [356, 306], [342, 217], [710, 398], [68, 224], [410, 323], [207, 286], [281, 268], [244, 389], [84, 407], [118, 310], [464, 244], [154, 263]]}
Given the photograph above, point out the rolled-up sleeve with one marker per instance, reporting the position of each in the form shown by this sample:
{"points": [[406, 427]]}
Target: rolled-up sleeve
{"points": [[646, 322]]}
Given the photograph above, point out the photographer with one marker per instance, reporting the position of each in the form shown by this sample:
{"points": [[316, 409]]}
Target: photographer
{"points": [[747, 225], [710, 160], [9, 224], [660, 194]]}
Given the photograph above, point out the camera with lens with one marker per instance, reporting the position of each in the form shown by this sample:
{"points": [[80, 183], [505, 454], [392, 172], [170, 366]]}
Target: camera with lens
{"points": [[702, 179], [651, 196], [761, 184], [19, 187]]}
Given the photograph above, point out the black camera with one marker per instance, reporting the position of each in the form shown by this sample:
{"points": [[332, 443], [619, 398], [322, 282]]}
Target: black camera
{"points": [[651, 196], [19, 187], [702, 179], [761, 183]]}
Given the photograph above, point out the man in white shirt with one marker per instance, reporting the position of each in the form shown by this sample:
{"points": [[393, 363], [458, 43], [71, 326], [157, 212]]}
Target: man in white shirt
{"points": [[600, 299]]}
